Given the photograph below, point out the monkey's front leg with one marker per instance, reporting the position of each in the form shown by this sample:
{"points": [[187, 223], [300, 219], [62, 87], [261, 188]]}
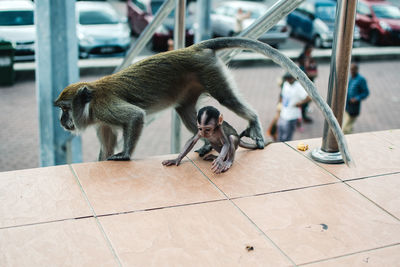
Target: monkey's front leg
{"points": [[131, 129], [222, 162], [188, 146]]}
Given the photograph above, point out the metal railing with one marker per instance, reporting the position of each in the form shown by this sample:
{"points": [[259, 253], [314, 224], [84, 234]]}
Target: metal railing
{"points": [[339, 65]]}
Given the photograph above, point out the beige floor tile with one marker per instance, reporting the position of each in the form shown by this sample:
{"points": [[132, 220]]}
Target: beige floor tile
{"points": [[208, 234], [64, 243], [392, 136], [322, 222], [373, 155], [385, 257], [40, 195], [114, 187], [276, 167], [383, 190]]}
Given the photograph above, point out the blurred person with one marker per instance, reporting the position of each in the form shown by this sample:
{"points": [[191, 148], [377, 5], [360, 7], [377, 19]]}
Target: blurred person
{"points": [[240, 17], [293, 96], [356, 92], [309, 66]]}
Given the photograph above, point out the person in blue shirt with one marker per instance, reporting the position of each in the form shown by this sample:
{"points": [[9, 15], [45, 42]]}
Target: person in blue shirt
{"points": [[356, 92]]}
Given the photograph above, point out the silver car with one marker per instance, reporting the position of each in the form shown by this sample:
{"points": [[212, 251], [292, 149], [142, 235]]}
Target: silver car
{"points": [[223, 20], [17, 26], [100, 30]]}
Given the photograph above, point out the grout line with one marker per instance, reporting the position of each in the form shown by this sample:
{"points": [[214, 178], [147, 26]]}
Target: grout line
{"points": [[314, 162], [108, 241], [368, 177], [161, 208], [343, 181], [350, 254], [373, 202], [245, 215], [286, 190], [45, 222]]}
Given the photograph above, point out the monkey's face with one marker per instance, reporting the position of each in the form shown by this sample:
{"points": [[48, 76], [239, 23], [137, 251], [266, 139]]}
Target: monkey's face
{"points": [[206, 131], [66, 117]]}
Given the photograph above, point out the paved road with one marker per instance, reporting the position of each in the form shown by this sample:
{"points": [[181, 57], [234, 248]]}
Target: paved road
{"points": [[19, 147]]}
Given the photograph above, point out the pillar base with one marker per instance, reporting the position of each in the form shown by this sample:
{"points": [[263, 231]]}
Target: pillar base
{"points": [[326, 157]]}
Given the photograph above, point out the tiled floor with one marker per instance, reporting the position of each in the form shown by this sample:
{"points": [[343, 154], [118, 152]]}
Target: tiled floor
{"points": [[274, 207]]}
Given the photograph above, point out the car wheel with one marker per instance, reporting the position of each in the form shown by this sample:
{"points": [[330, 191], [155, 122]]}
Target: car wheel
{"points": [[374, 39], [318, 41]]}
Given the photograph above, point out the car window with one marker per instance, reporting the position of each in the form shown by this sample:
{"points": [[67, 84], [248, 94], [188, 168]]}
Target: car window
{"points": [[231, 12], [97, 17], [15, 18], [363, 9], [386, 11], [140, 5], [309, 8], [220, 11], [325, 12]]}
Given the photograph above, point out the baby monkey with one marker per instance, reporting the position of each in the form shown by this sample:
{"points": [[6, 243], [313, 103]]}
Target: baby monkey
{"points": [[222, 137]]}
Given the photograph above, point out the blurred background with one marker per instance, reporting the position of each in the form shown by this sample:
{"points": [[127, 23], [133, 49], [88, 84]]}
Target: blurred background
{"points": [[107, 29]]}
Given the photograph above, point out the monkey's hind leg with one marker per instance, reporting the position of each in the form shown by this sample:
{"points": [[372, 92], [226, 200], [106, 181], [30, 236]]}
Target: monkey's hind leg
{"points": [[223, 89], [108, 140]]}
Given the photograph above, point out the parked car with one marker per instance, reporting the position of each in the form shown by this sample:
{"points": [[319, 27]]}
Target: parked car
{"points": [[314, 20], [17, 26], [223, 20], [141, 13], [100, 30], [379, 22]]}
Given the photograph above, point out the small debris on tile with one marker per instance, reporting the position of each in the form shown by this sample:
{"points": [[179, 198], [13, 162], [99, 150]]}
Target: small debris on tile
{"points": [[249, 248], [302, 147], [324, 226]]}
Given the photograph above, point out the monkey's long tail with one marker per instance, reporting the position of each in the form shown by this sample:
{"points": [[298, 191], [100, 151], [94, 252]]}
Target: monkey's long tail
{"points": [[253, 146], [294, 70]]}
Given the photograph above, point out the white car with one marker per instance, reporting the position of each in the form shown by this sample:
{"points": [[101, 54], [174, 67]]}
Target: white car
{"points": [[17, 26], [223, 20], [100, 30]]}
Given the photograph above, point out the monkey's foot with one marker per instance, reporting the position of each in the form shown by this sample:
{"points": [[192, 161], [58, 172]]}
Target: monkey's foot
{"points": [[120, 157], [210, 157], [254, 133], [204, 150]]}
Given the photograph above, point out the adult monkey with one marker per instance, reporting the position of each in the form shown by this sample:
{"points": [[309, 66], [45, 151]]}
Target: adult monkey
{"points": [[175, 78]]}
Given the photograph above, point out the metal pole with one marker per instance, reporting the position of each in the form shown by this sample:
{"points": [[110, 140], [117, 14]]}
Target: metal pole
{"points": [[57, 67], [179, 42], [274, 14], [338, 79], [203, 31], [145, 36]]}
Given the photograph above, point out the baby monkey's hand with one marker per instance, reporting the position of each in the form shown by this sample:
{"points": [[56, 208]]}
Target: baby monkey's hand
{"points": [[170, 162]]}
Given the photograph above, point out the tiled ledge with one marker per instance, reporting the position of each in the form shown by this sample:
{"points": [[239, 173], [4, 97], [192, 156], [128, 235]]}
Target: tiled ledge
{"points": [[274, 207]]}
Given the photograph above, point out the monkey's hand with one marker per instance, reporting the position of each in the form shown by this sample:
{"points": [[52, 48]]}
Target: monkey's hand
{"points": [[170, 162], [219, 165], [120, 157]]}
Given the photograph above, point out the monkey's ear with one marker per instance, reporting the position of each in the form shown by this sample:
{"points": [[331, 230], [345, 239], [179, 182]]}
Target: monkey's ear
{"points": [[84, 94], [220, 119]]}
